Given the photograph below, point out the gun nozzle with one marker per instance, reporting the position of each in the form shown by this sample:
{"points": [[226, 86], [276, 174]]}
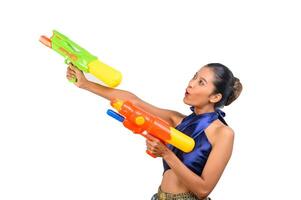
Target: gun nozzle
{"points": [[45, 40]]}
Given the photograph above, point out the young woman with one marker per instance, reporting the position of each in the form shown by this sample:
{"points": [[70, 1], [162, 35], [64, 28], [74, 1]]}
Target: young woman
{"points": [[188, 175]]}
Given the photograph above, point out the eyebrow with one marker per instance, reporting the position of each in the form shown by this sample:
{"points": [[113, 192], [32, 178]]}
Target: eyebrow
{"points": [[197, 74], [202, 78]]}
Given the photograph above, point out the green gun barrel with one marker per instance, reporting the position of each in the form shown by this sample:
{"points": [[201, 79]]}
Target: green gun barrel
{"points": [[82, 59]]}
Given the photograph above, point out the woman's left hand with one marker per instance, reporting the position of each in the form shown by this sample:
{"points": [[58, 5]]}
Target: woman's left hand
{"points": [[156, 147]]}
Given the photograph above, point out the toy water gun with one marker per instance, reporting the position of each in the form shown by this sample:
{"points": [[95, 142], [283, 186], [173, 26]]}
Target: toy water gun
{"points": [[141, 122], [82, 59]]}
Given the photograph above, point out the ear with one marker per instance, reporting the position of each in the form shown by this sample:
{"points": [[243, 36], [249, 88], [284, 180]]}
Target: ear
{"points": [[214, 98]]}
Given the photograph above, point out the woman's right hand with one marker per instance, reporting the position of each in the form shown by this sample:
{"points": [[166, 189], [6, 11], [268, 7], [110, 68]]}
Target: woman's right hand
{"points": [[73, 72]]}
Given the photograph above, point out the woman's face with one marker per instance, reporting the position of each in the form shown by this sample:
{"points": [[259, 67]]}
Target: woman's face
{"points": [[200, 88]]}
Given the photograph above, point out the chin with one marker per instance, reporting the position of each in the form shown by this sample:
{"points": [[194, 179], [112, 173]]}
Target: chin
{"points": [[186, 102]]}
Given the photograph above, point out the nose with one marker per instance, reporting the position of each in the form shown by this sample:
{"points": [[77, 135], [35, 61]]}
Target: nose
{"points": [[191, 83]]}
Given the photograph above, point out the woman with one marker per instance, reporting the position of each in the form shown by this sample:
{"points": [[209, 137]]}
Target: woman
{"points": [[188, 175]]}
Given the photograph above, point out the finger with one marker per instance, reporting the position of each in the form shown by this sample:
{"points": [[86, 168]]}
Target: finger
{"points": [[70, 77], [155, 153], [149, 149], [156, 140], [74, 68], [69, 68], [150, 137], [149, 146], [151, 143], [71, 72]]}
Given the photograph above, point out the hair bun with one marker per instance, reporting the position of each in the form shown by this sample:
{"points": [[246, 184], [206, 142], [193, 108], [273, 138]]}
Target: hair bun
{"points": [[236, 90]]}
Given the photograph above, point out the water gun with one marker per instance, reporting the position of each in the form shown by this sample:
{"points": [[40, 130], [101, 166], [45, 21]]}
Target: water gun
{"points": [[82, 59], [141, 122]]}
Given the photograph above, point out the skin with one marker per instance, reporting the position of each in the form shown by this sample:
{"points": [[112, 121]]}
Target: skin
{"points": [[199, 93]]}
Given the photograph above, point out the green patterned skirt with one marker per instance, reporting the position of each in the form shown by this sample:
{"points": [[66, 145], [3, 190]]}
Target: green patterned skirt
{"points": [[181, 196]]}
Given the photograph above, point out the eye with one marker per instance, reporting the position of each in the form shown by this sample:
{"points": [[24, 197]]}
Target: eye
{"points": [[201, 82]]}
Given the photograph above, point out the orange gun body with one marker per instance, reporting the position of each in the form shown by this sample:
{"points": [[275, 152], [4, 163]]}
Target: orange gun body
{"points": [[140, 122]]}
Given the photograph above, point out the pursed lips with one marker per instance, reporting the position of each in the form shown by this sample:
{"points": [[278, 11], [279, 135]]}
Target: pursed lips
{"points": [[186, 92]]}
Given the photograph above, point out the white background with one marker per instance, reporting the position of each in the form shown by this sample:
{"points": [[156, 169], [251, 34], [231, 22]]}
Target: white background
{"points": [[56, 142]]}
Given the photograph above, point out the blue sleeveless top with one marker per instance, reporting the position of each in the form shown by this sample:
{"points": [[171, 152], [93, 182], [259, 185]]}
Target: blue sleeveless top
{"points": [[194, 125]]}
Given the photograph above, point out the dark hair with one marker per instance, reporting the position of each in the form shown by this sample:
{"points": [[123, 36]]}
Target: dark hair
{"points": [[225, 83]]}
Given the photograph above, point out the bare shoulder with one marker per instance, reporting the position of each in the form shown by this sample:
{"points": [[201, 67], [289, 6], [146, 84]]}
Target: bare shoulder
{"points": [[225, 131], [224, 134], [219, 132]]}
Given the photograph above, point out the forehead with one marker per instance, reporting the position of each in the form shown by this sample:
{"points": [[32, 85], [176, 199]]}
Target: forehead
{"points": [[206, 73]]}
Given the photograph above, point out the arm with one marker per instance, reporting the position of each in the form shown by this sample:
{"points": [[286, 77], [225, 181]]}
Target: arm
{"points": [[171, 117], [200, 185]]}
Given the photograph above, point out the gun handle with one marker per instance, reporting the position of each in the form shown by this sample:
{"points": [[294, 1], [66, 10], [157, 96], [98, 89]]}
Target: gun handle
{"points": [[147, 151]]}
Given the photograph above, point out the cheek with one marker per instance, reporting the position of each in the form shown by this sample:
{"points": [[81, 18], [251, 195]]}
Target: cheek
{"points": [[202, 92], [200, 96]]}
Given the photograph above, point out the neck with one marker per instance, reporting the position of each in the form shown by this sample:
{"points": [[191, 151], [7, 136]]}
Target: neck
{"points": [[203, 109]]}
